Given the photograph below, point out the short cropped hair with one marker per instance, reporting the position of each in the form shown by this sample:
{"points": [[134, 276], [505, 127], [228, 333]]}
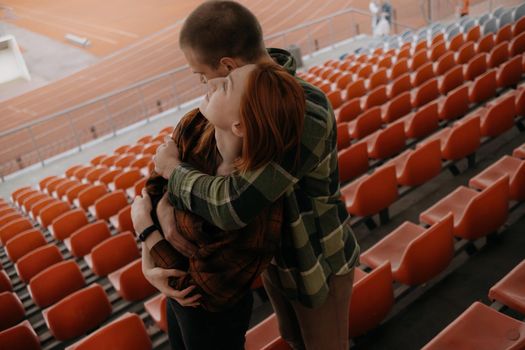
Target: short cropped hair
{"points": [[217, 29]]}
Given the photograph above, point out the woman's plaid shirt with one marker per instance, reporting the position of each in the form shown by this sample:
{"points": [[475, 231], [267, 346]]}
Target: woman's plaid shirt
{"points": [[317, 240]]}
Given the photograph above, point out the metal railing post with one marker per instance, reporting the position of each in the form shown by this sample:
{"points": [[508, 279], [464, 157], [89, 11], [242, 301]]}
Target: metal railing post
{"points": [[35, 146], [110, 118]]}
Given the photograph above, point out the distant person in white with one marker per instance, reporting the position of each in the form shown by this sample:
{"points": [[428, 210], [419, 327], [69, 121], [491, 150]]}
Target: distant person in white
{"points": [[374, 10], [383, 26]]}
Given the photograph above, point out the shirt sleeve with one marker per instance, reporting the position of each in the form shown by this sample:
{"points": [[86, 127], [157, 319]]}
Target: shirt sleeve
{"points": [[231, 202]]}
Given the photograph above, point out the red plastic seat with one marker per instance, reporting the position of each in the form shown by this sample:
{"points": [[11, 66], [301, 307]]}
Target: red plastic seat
{"points": [[98, 159], [517, 45], [23, 195], [451, 80], [11, 309], [141, 162], [56, 282], [10, 217], [378, 78], [437, 50], [423, 122], [399, 68], [510, 290], [349, 110], [460, 140], [112, 254], [416, 254], [423, 74], [37, 260], [485, 44], [476, 214], [519, 26], [415, 167], [510, 166], [343, 137], [376, 97], [14, 228], [396, 108], [130, 283], [355, 89], [5, 282], [51, 212], [80, 173], [420, 58], [24, 243], [89, 195], [401, 84], [456, 42], [64, 187], [156, 308], [372, 193], [335, 99], [368, 122], [353, 162], [127, 332], [509, 74], [109, 176], [465, 53], [504, 34], [371, 300], [137, 188], [78, 313], [110, 204], [74, 191], [125, 160], [7, 211], [498, 55], [20, 337], [482, 328], [40, 205], [445, 63], [455, 104], [53, 184], [122, 221], [85, 238], [67, 223], [19, 191], [94, 174], [264, 334], [343, 81], [43, 183], [425, 93], [438, 38], [476, 66], [473, 34], [125, 180], [483, 88], [365, 71], [498, 116], [151, 149], [386, 142], [109, 161], [385, 62]]}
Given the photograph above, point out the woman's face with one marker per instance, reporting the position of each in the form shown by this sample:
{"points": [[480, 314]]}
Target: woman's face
{"points": [[221, 105]]}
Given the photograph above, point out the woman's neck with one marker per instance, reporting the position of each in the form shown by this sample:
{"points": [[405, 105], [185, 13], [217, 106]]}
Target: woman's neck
{"points": [[229, 146]]}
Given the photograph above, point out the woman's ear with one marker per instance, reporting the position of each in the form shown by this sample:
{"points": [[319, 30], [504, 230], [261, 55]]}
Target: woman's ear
{"points": [[237, 129]]}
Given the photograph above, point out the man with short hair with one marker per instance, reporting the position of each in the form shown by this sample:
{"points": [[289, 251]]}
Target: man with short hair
{"points": [[310, 279]]}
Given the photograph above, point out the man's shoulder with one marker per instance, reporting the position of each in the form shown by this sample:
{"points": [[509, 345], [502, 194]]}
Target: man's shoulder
{"points": [[316, 99]]}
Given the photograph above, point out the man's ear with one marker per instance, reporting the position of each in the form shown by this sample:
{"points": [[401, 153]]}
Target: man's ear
{"points": [[237, 129], [229, 63]]}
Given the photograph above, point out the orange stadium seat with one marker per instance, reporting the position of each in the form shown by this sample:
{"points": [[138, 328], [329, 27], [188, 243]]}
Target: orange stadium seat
{"points": [[365, 71], [517, 45], [67, 223], [396, 108], [135, 149], [371, 300], [74, 191], [438, 38], [94, 174], [355, 89], [425, 93], [16, 193], [156, 308], [137, 188], [386, 142], [482, 328], [343, 137], [451, 80], [456, 42], [71, 170], [13, 229], [415, 167], [404, 52], [125, 179], [372, 193], [509, 73], [96, 160], [89, 195], [37, 260], [498, 116], [423, 74], [11, 309], [7, 211], [476, 214], [343, 81], [151, 149], [465, 53], [335, 99], [419, 59], [109, 176], [40, 205], [420, 46], [385, 62], [56, 282], [376, 97], [455, 104], [5, 282], [122, 220], [437, 50], [145, 139], [498, 55], [483, 88], [265, 335], [25, 194], [52, 211], [43, 183], [64, 187], [141, 162], [444, 63], [127, 332], [399, 68], [121, 150], [513, 167], [10, 217], [520, 102], [378, 78], [63, 319], [125, 160], [423, 122], [519, 27], [85, 238], [510, 289], [52, 185], [485, 44], [400, 85], [504, 34], [353, 161], [112, 254], [80, 173], [416, 254], [109, 161], [24, 243], [110, 204], [130, 283], [473, 34], [368, 122], [20, 337]]}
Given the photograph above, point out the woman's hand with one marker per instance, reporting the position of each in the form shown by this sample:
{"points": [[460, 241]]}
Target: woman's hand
{"points": [[167, 158], [141, 212]]}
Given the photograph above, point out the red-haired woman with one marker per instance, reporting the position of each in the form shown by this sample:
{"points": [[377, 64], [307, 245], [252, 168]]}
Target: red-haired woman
{"points": [[251, 117]]}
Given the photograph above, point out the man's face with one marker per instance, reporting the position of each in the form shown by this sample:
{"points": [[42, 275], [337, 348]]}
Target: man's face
{"points": [[204, 71]]}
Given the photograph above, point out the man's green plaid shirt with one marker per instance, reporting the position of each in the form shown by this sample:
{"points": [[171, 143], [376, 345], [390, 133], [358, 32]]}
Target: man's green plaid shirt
{"points": [[317, 240]]}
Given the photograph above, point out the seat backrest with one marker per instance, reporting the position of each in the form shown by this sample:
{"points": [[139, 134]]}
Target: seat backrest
{"points": [[504, 34], [67, 223], [89, 195], [63, 318], [81, 172], [335, 100], [13, 228], [365, 71], [390, 141], [124, 220], [399, 68], [422, 164], [519, 27], [452, 79], [11, 309], [355, 89], [424, 73], [368, 122], [487, 211], [109, 176], [156, 308], [127, 179], [22, 197], [87, 237], [498, 55], [463, 140], [64, 187], [52, 211], [517, 45], [343, 138], [5, 282], [445, 63], [491, 26], [375, 98], [21, 336], [93, 175], [456, 42], [131, 283], [428, 254], [401, 84], [98, 159], [113, 253], [476, 66], [420, 58], [110, 160], [37, 260], [425, 93], [474, 33], [466, 52], [377, 190], [135, 149], [74, 191], [56, 282], [353, 161], [10, 217], [127, 332], [385, 62], [43, 183], [25, 242], [371, 300], [151, 149], [41, 204], [437, 50], [484, 87], [397, 107], [16, 193], [378, 78], [53, 184]]}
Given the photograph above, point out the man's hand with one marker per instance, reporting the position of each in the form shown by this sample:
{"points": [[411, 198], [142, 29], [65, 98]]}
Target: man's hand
{"points": [[141, 212], [167, 158], [159, 279]]}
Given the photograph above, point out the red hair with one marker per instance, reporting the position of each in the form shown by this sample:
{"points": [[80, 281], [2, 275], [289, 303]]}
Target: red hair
{"points": [[272, 116]]}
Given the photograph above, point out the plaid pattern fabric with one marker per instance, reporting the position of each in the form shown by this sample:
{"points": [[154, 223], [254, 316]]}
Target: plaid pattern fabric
{"points": [[222, 264], [317, 240]]}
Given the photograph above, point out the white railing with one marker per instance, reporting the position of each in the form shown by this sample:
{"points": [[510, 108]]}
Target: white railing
{"points": [[72, 128]]}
